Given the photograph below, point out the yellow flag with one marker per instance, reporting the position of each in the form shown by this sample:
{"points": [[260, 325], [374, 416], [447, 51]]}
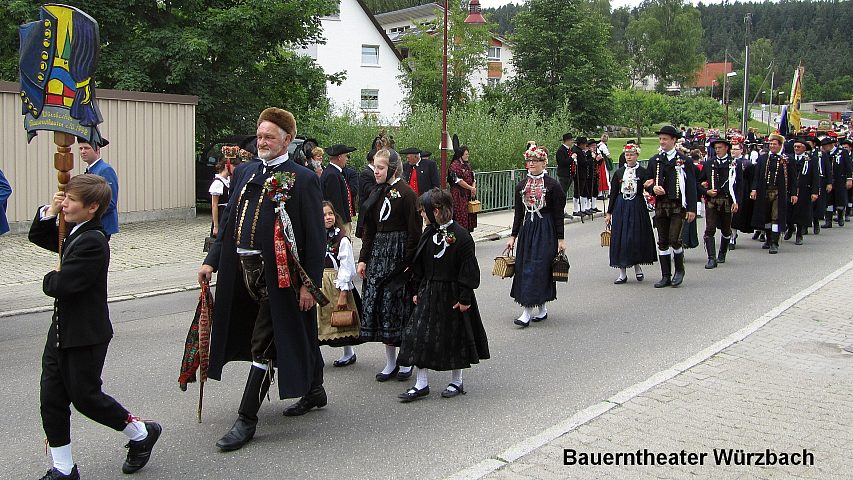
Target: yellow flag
{"points": [[796, 96]]}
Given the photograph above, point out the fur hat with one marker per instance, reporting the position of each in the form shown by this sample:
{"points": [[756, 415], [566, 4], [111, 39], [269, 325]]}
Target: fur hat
{"points": [[282, 118]]}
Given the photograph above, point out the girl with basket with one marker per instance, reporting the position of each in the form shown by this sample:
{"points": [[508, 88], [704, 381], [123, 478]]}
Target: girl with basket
{"points": [[538, 227]]}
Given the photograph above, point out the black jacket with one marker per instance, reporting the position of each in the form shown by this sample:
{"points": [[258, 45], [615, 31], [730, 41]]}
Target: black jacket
{"points": [[366, 184], [80, 286], [564, 161], [427, 175], [663, 171], [336, 191]]}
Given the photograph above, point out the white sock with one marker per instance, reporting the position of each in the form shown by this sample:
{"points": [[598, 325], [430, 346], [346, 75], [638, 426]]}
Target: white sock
{"points": [[584, 204], [405, 369], [775, 228], [390, 359], [591, 202], [622, 273], [576, 204], [422, 380], [526, 314], [262, 366], [348, 353], [62, 460], [543, 310], [456, 377], [678, 250], [136, 431]]}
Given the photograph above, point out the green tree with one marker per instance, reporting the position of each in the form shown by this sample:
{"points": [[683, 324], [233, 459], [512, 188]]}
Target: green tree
{"points": [[640, 109], [422, 75], [235, 55], [666, 38], [562, 58]]}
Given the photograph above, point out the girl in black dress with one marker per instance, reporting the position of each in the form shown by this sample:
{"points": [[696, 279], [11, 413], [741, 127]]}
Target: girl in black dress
{"points": [[445, 331]]}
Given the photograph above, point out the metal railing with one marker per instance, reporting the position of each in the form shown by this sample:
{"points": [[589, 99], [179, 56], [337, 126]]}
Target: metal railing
{"points": [[495, 189]]}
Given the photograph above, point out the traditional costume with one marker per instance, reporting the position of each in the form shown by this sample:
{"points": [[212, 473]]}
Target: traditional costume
{"points": [[338, 275], [718, 175], [808, 184], [461, 171], [774, 183]]}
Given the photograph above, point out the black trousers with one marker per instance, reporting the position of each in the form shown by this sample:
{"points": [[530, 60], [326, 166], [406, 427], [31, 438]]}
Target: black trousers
{"points": [[718, 214], [669, 220], [565, 183], [72, 376]]}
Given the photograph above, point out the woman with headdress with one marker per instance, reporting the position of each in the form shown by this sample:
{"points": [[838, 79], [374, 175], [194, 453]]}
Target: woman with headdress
{"points": [[538, 226], [338, 286], [391, 231], [463, 188], [445, 331], [632, 240]]}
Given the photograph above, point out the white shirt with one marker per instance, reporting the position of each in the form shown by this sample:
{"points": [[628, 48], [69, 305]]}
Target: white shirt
{"points": [[219, 184], [89, 166], [346, 266]]}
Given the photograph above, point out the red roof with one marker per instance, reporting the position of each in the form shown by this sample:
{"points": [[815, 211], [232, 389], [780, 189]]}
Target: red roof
{"points": [[710, 72]]}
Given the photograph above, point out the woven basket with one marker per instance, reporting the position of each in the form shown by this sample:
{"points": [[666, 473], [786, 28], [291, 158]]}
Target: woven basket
{"points": [[560, 268], [605, 237], [504, 264], [474, 206]]}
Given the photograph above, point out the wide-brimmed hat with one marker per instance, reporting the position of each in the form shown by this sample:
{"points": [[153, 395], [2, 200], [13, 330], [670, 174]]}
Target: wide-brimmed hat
{"points": [[827, 140], [669, 130], [719, 140], [567, 136], [803, 141], [339, 149], [410, 151]]}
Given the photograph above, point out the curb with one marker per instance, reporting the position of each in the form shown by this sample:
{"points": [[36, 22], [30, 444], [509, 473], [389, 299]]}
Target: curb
{"points": [[529, 444]]}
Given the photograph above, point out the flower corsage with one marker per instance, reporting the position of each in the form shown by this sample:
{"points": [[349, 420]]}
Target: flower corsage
{"points": [[277, 187]]}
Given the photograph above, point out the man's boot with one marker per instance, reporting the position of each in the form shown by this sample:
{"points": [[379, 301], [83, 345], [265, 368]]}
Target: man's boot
{"points": [[841, 217], [711, 248], [827, 220], [678, 276], [798, 240], [847, 213], [756, 234], [816, 225], [774, 243], [789, 232], [724, 248], [316, 398], [665, 270], [766, 234], [243, 429]]}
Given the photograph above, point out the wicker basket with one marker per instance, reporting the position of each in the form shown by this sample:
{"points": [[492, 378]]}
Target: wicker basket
{"points": [[605, 237], [504, 264], [474, 206], [560, 268]]}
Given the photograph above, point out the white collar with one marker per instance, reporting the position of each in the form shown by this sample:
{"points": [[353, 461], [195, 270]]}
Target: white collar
{"points": [[276, 161], [416, 164], [529, 175], [340, 169], [670, 154], [79, 224], [89, 167]]}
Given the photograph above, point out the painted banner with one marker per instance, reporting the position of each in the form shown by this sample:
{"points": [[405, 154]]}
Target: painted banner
{"points": [[58, 56]]}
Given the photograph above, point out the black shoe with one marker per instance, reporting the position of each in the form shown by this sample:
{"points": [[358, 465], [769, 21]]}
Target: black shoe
{"points": [[766, 244], [620, 280], [725, 245], [595, 210], [344, 363], [403, 376], [711, 249], [577, 214], [816, 226], [762, 237], [798, 240], [138, 453], [640, 276], [413, 394], [539, 319], [241, 432], [756, 235], [316, 398], [788, 234], [774, 243], [521, 323], [840, 219], [384, 377], [54, 474], [453, 390], [678, 276], [566, 215]]}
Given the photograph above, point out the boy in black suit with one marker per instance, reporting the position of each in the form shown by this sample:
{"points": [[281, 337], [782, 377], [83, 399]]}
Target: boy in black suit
{"points": [[80, 331]]}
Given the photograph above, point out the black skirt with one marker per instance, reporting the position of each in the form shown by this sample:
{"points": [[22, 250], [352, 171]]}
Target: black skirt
{"points": [[535, 249], [632, 240], [385, 310]]}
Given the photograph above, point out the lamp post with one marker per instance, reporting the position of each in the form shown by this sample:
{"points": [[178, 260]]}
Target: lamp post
{"points": [[726, 87], [474, 18]]}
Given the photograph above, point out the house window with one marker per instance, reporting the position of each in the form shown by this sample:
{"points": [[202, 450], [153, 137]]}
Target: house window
{"points": [[494, 54], [399, 29], [493, 82], [369, 99], [370, 55]]}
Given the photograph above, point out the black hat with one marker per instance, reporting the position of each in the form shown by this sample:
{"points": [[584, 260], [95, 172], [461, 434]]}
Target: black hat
{"points": [[425, 154], [720, 140], [581, 141], [803, 141], [846, 141], [669, 130], [826, 140], [339, 149], [410, 151], [103, 143], [567, 136]]}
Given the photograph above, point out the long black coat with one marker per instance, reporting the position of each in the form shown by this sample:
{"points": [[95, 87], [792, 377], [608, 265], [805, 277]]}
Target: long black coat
{"points": [[785, 183], [295, 331], [564, 161], [366, 184], [742, 220], [808, 184], [427, 175], [336, 191], [80, 287], [841, 170]]}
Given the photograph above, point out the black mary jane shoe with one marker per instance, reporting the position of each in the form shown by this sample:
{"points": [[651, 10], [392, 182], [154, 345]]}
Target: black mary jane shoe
{"points": [[344, 363], [384, 377], [521, 323], [403, 376], [453, 390], [413, 394], [620, 280], [641, 276], [539, 319]]}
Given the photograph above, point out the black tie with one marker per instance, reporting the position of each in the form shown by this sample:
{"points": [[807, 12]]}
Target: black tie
{"points": [[87, 170]]}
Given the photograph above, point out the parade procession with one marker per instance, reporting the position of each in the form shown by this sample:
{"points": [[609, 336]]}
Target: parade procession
{"points": [[471, 288]]}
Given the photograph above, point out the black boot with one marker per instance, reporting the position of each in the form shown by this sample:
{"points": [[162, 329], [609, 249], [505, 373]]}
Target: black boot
{"points": [[841, 217], [847, 213], [665, 271], [774, 243], [756, 234], [316, 398], [765, 235], [798, 240], [724, 248], [827, 220], [243, 429], [789, 232], [678, 276], [816, 225], [711, 248]]}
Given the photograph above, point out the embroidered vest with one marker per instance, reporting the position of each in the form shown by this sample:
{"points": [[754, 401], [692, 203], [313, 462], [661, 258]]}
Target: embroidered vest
{"points": [[248, 211]]}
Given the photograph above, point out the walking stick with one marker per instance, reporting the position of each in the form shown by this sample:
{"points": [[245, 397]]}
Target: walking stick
{"points": [[200, 399]]}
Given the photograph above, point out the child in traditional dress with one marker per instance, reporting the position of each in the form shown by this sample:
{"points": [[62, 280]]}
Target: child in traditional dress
{"points": [[338, 274], [445, 331]]}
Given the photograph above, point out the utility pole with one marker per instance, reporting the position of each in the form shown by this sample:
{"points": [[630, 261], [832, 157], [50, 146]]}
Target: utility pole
{"points": [[747, 20], [770, 113], [725, 86]]}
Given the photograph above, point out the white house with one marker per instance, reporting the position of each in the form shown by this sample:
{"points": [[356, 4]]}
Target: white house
{"points": [[401, 22], [358, 45]]}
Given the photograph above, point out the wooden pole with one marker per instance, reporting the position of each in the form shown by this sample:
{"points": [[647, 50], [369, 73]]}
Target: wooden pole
{"points": [[63, 161]]}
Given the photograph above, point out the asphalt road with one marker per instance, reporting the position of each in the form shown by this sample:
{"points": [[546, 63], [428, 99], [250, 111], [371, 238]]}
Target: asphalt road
{"points": [[600, 338]]}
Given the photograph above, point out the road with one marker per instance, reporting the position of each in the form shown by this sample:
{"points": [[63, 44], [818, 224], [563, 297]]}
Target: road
{"points": [[600, 338]]}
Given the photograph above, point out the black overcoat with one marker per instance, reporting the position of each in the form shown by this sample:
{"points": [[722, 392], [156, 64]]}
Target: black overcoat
{"points": [[742, 220], [366, 184], [295, 332], [336, 191], [564, 161], [785, 183], [808, 184], [842, 170]]}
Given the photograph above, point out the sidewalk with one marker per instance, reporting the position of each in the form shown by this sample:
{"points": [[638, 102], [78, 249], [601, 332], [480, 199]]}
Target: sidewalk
{"points": [[783, 383], [148, 258]]}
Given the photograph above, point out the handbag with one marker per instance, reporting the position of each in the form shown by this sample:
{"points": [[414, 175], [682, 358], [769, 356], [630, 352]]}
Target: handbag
{"points": [[474, 206], [560, 268], [605, 236], [343, 318], [208, 241], [504, 264]]}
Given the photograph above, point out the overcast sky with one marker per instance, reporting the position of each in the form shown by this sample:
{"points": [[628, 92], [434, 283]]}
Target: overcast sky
{"points": [[613, 3]]}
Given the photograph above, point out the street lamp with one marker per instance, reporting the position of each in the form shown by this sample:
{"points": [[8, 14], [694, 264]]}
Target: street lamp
{"points": [[726, 88], [474, 18]]}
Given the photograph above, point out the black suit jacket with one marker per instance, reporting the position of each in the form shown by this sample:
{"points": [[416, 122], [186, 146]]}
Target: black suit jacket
{"points": [[335, 190], [666, 177], [427, 175], [81, 316], [564, 161], [366, 183]]}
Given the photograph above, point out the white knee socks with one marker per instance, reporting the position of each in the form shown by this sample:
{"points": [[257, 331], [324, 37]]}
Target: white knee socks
{"points": [[422, 380], [456, 377], [136, 430], [62, 460], [348, 353], [390, 359]]}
